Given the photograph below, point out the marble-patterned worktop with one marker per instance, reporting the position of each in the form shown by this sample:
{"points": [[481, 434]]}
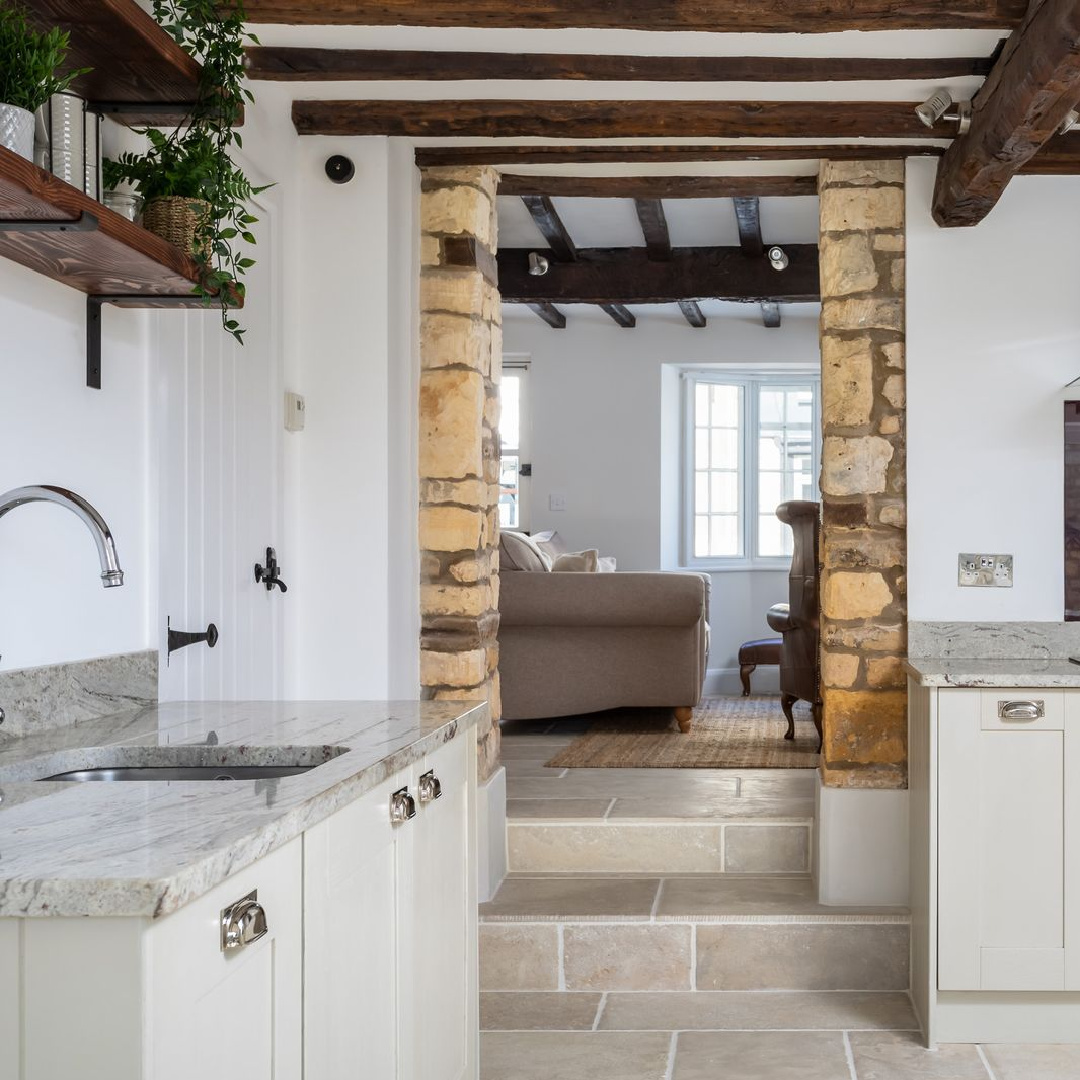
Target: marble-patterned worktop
{"points": [[147, 848], [934, 671]]}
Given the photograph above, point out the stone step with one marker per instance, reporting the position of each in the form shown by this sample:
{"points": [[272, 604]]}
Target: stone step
{"points": [[704, 932]]}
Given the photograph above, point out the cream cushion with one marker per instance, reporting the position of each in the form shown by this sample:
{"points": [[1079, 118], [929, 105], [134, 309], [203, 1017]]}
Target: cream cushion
{"points": [[581, 562], [520, 552]]}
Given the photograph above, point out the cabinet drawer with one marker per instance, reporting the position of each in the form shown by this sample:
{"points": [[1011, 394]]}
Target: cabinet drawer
{"points": [[1022, 709]]}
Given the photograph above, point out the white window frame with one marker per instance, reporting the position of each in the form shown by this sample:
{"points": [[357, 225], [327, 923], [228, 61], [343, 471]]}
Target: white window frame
{"points": [[520, 365], [751, 382]]}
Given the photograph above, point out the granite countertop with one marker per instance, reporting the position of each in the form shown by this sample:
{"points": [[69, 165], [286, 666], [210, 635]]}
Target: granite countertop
{"points": [[148, 848], [935, 671]]}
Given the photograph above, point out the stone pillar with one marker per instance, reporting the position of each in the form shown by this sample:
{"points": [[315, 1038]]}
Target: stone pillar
{"points": [[460, 360], [863, 543]]}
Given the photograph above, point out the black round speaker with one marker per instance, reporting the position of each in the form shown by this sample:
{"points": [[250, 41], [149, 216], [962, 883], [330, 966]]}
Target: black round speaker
{"points": [[340, 169]]}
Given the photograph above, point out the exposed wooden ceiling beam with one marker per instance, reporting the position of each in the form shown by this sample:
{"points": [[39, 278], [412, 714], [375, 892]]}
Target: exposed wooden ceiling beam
{"points": [[693, 314], [621, 315], [550, 225], [628, 276], [770, 315], [434, 156], [656, 187], [748, 216], [504, 118], [284, 64], [716, 16], [1059, 156], [1021, 105], [654, 228], [549, 313]]}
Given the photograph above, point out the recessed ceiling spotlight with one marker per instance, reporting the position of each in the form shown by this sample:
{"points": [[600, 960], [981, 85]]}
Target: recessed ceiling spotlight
{"points": [[538, 264], [936, 107], [778, 258], [1072, 118]]}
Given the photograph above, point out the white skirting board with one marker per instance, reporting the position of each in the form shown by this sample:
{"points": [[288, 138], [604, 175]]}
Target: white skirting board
{"points": [[491, 834], [726, 681], [861, 851]]}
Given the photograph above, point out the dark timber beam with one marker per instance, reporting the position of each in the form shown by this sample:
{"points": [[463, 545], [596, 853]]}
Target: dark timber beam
{"points": [[654, 228], [549, 313], [1029, 93], [628, 276], [550, 225], [1060, 156], [663, 154], [692, 313], [770, 315], [284, 64], [656, 187], [621, 315], [715, 16], [748, 216], [502, 118]]}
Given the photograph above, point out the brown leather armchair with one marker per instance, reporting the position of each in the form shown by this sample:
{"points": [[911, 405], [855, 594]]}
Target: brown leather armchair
{"points": [[798, 620]]}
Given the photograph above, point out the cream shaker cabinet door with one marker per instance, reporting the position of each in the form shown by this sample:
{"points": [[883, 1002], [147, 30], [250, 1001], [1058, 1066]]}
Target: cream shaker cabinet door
{"points": [[237, 1012], [438, 896], [1001, 895], [351, 942]]}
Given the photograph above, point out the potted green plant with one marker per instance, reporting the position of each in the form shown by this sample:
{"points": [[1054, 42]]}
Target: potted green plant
{"points": [[30, 63], [195, 195]]}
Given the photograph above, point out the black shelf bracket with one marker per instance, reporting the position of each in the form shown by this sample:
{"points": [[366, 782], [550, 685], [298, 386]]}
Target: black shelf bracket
{"points": [[94, 305], [83, 223]]}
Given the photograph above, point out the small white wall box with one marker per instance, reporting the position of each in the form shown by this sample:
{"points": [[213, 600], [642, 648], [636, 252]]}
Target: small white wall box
{"points": [[294, 411]]}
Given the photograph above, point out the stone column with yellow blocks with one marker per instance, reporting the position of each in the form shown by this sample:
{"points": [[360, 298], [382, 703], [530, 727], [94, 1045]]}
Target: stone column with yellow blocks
{"points": [[863, 542], [461, 360]]}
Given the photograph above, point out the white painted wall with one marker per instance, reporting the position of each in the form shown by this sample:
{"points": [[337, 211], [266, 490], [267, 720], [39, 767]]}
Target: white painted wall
{"points": [[993, 332], [605, 433], [56, 431]]}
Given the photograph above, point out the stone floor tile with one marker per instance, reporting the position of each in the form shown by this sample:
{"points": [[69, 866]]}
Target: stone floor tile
{"points": [[726, 808], [527, 767], [627, 956], [896, 1056], [803, 956], [538, 1012], [778, 784], [1044, 1062], [606, 848], [688, 784], [761, 1011], [574, 1055], [556, 809], [532, 747], [515, 956], [766, 849], [572, 898], [760, 1055]]}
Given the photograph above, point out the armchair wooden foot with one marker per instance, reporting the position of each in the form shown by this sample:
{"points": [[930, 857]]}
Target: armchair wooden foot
{"points": [[684, 717], [817, 723], [787, 703]]}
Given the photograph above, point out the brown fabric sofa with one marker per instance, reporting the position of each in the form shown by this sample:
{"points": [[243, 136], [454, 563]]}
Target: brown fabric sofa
{"points": [[572, 643]]}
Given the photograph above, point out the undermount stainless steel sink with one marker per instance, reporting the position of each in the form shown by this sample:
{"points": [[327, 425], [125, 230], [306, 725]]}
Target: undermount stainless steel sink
{"points": [[185, 772]]}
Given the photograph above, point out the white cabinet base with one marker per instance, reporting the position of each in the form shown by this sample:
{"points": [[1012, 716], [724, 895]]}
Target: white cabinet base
{"points": [[986, 1017]]}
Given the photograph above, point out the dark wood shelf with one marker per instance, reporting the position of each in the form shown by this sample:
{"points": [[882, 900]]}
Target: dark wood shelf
{"points": [[134, 61], [117, 259]]}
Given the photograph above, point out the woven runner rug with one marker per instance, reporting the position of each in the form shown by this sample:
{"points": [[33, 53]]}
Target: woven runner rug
{"points": [[727, 733]]}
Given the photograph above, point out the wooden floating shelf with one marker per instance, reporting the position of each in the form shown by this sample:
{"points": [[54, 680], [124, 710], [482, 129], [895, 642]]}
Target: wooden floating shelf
{"points": [[135, 63]]}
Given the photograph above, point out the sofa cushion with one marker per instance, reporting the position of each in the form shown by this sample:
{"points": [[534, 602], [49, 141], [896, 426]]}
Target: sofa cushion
{"points": [[606, 564], [582, 562], [520, 552], [551, 543]]}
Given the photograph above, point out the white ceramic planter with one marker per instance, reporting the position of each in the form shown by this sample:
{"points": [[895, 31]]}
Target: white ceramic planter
{"points": [[17, 130]]}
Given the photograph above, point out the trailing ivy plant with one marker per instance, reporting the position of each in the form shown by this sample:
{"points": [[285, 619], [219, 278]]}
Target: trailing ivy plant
{"points": [[30, 60], [194, 161]]}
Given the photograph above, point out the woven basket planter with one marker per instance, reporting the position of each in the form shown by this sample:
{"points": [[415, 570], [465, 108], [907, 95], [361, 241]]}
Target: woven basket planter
{"points": [[176, 219]]}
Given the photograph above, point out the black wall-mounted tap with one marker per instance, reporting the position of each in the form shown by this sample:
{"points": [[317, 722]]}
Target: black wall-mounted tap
{"points": [[268, 575]]}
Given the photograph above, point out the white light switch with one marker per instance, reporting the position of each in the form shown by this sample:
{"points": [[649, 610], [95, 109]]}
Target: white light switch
{"points": [[556, 502], [294, 411]]}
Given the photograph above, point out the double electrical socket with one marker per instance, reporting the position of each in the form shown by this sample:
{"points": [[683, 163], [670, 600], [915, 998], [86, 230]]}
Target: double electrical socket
{"points": [[985, 571]]}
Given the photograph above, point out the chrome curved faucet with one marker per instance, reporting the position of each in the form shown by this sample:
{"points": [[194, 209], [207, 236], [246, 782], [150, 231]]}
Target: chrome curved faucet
{"points": [[111, 574]]}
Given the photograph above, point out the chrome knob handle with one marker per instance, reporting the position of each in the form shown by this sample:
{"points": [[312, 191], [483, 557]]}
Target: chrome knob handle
{"points": [[402, 806], [429, 788], [1024, 711], [243, 923]]}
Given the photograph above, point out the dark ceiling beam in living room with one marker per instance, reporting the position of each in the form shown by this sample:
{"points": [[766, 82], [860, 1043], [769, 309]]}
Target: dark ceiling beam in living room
{"points": [[654, 228], [549, 313], [657, 187], [298, 64], [502, 118], [551, 227], [622, 316], [748, 217], [692, 313], [628, 276], [713, 16], [1025, 100], [770, 315]]}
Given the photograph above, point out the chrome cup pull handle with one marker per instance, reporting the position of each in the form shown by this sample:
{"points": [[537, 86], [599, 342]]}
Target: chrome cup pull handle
{"points": [[1023, 711], [402, 806], [243, 923], [428, 788]]}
